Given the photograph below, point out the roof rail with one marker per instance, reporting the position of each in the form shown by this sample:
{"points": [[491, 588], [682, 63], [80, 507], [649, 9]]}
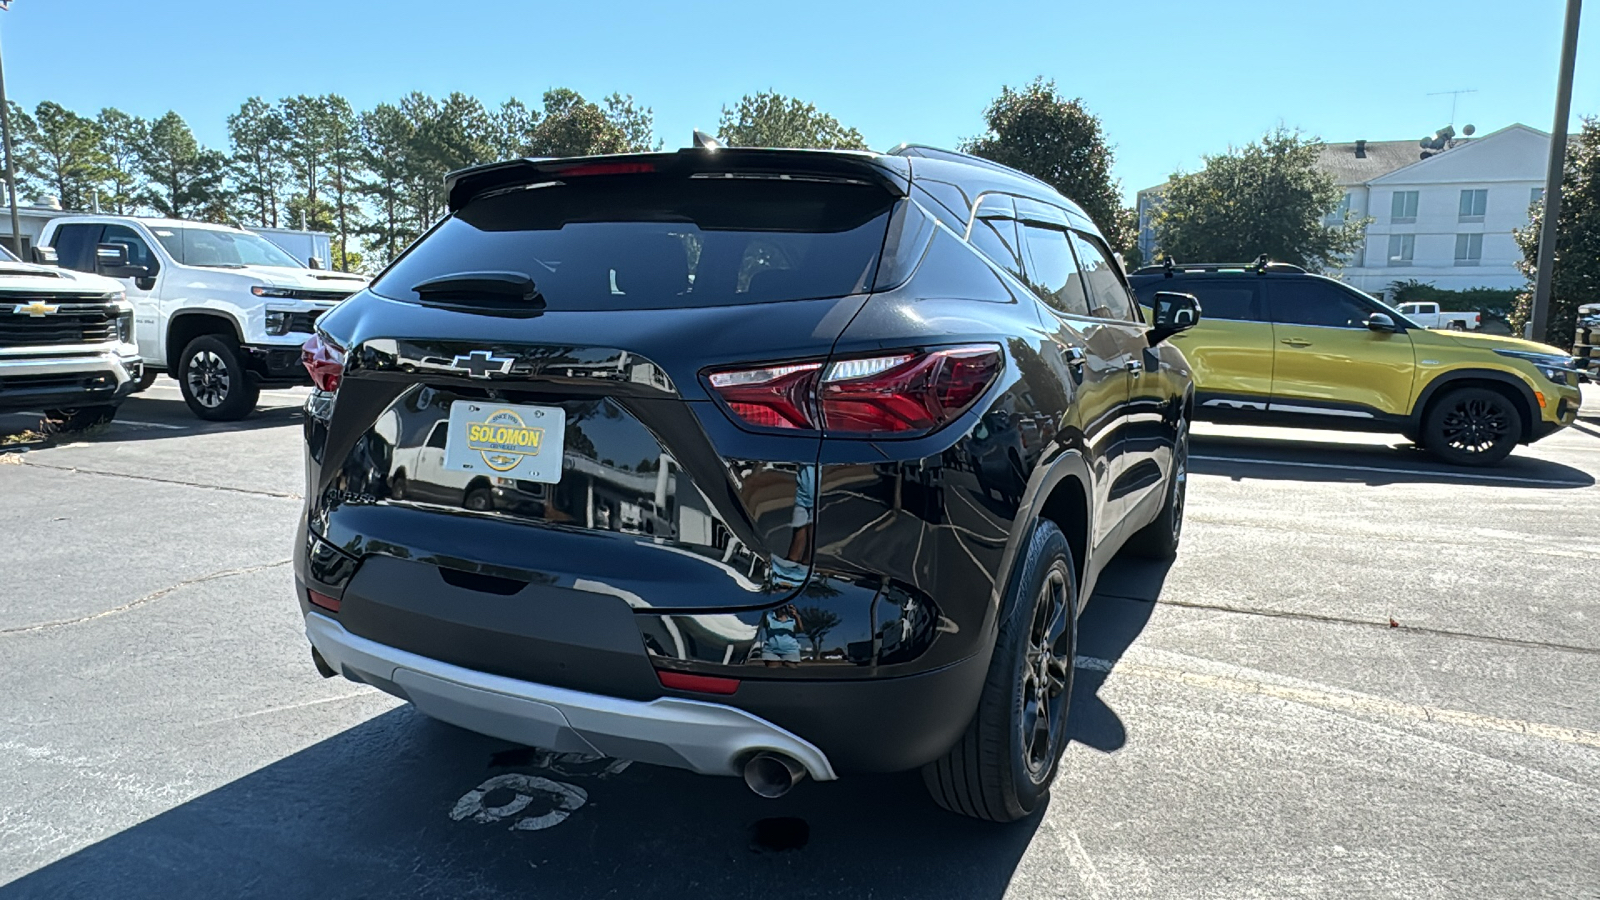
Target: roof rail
{"points": [[1260, 266], [930, 152]]}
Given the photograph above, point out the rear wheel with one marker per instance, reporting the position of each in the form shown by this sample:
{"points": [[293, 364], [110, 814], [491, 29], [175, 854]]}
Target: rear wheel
{"points": [[1458, 326], [79, 418], [1472, 427], [212, 376], [1002, 767], [1159, 539]]}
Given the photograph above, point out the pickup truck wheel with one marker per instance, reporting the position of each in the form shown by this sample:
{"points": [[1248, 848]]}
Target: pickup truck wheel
{"points": [[1472, 427], [1458, 326], [212, 376], [1002, 767], [1159, 539], [80, 418]]}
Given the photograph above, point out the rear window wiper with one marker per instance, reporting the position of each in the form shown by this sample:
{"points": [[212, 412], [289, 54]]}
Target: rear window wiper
{"points": [[506, 291]]}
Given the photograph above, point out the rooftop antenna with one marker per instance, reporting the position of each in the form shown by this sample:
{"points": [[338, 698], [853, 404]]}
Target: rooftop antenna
{"points": [[705, 141], [1455, 97]]}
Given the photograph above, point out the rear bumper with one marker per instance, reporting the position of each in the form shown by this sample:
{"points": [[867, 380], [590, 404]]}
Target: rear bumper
{"points": [[709, 738], [51, 382]]}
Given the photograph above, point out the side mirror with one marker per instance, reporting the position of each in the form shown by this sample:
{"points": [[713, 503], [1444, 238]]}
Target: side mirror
{"points": [[46, 256], [111, 260], [111, 254], [1381, 322], [1173, 312], [314, 262]]}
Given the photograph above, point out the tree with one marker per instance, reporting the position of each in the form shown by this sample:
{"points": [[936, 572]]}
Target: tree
{"points": [[1265, 197], [122, 138], [22, 126], [769, 119], [1575, 278], [344, 163], [385, 135], [258, 135], [573, 126], [305, 123], [1058, 141], [66, 156], [185, 179], [512, 129]]}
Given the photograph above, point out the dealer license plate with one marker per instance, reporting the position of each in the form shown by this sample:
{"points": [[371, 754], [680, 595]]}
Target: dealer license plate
{"points": [[506, 440]]}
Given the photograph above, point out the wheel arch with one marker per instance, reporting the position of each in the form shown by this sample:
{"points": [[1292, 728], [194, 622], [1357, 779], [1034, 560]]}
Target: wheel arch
{"points": [[186, 325], [1059, 491], [1512, 387]]}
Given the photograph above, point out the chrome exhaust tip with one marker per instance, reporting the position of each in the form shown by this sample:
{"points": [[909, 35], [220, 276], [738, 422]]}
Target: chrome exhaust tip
{"points": [[772, 775]]}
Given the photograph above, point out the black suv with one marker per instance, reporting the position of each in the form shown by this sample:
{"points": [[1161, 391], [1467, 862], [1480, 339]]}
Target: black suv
{"points": [[760, 462]]}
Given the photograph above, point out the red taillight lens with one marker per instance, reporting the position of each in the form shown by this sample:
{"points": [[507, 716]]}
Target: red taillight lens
{"points": [[770, 397], [325, 361], [904, 394]]}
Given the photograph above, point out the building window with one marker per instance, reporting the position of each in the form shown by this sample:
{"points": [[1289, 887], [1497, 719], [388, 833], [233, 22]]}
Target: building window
{"points": [[1402, 248], [1342, 211], [1473, 203], [1404, 209], [1469, 249]]}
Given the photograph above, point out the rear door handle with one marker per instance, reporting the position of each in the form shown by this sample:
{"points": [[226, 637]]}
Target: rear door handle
{"points": [[1296, 342], [1135, 366]]}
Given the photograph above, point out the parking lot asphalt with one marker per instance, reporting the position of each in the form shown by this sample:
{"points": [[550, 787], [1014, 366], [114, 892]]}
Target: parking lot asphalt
{"points": [[1366, 675]]}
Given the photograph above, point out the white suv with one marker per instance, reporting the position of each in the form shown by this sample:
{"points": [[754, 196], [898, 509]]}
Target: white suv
{"points": [[222, 309], [66, 344]]}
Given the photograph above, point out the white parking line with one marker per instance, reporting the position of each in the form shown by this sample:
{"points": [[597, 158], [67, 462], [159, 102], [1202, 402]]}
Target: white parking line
{"points": [[1347, 701], [1376, 470], [137, 424]]}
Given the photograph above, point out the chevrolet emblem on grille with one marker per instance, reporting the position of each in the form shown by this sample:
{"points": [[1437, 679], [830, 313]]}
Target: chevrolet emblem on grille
{"points": [[482, 364], [38, 309]]}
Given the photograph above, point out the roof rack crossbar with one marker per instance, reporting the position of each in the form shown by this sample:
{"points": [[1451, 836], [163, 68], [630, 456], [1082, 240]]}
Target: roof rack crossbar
{"points": [[1260, 265]]}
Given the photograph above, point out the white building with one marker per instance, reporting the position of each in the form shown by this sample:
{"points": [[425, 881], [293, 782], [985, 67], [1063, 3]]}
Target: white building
{"points": [[1447, 219]]}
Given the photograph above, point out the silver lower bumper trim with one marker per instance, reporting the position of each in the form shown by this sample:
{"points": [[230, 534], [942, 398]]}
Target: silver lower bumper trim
{"points": [[39, 361], [708, 738]]}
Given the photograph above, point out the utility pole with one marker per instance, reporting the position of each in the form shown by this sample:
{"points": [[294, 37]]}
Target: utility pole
{"points": [[5, 140], [1552, 181]]}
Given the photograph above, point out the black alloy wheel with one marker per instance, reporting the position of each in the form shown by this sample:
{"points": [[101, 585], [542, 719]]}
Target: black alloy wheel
{"points": [[212, 376], [1002, 766], [1472, 427], [1159, 539]]}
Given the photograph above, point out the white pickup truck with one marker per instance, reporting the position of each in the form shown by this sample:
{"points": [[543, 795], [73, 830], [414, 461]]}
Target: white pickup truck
{"points": [[66, 344], [223, 310], [1428, 316]]}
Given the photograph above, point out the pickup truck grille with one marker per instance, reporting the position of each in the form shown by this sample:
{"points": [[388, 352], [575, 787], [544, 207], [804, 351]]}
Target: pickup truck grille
{"points": [[24, 322]]}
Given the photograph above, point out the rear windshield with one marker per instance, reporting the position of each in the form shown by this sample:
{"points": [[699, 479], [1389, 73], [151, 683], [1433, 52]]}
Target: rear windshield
{"points": [[640, 242]]}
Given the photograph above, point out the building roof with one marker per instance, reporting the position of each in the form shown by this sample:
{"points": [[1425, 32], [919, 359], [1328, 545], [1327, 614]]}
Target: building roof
{"points": [[1382, 157]]}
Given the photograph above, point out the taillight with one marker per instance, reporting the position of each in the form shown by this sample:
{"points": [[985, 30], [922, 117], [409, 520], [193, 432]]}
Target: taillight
{"points": [[324, 360], [899, 394]]}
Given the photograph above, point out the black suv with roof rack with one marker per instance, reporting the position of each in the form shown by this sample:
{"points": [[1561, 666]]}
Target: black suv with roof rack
{"points": [[764, 462], [1281, 346]]}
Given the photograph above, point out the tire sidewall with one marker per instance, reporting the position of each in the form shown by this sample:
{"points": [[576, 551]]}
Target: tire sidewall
{"points": [[242, 394], [1047, 549], [1433, 430]]}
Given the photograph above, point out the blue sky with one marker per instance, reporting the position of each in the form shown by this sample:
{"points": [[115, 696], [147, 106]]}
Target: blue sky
{"points": [[1171, 80]]}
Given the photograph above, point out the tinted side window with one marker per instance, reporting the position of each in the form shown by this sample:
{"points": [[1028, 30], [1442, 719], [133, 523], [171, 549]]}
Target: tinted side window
{"points": [[1237, 301], [138, 251], [1052, 272], [75, 246], [1309, 301], [1110, 297], [994, 233]]}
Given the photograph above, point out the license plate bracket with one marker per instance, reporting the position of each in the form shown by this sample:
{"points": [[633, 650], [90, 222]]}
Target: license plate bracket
{"points": [[506, 440]]}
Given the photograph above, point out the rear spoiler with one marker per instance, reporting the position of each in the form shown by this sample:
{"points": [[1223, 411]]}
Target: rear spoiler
{"points": [[891, 173]]}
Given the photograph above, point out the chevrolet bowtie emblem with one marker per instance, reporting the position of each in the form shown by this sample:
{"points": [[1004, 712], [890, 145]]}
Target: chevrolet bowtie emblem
{"points": [[482, 364], [38, 309]]}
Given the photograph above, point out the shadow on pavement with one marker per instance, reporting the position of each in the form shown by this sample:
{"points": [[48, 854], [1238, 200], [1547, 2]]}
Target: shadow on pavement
{"points": [[1248, 456], [368, 813], [134, 418], [1121, 606]]}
